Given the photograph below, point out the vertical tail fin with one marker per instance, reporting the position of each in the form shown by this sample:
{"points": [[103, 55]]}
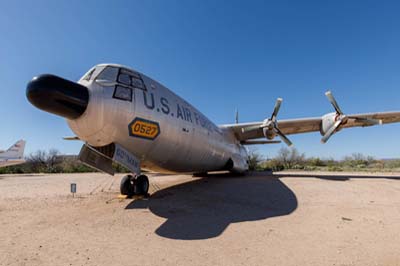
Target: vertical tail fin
{"points": [[16, 150]]}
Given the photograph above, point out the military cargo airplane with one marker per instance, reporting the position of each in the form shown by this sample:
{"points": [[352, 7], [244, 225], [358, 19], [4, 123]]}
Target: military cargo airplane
{"points": [[126, 117], [14, 155]]}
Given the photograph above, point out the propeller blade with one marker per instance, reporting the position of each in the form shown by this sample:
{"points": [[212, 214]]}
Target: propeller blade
{"points": [[250, 128], [330, 97], [283, 137], [276, 109], [330, 131]]}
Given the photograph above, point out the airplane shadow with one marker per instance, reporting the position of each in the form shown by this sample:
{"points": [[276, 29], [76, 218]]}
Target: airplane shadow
{"points": [[336, 177], [204, 208]]}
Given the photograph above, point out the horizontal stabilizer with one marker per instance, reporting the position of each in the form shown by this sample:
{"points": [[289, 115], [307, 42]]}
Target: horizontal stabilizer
{"points": [[71, 138]]}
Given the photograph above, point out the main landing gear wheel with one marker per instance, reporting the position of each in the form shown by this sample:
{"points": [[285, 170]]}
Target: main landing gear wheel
{"points": [[142, 185], [126, 186], [131, 186]]}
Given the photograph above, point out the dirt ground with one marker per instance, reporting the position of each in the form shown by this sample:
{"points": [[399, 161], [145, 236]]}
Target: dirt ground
{"points": [[262, 219]]}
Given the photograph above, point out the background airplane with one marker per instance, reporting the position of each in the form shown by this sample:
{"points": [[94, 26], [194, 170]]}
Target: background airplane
{"points": [[126, 117], [14, 155]]}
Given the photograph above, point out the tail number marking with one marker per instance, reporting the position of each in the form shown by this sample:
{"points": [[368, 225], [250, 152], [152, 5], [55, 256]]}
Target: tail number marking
{"points": [[143, 128]]}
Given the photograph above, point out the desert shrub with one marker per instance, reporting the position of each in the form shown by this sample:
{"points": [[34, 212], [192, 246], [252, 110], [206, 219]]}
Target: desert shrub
{"points": [[42, 161], [310, 168], [272, 165], [358, 160], [334, 168], [315, 161], [254, 158], [392, 164], [290, 158]]}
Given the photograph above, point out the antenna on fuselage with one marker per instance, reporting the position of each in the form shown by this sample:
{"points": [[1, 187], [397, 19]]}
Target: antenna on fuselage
{"points": [[237, 116]]}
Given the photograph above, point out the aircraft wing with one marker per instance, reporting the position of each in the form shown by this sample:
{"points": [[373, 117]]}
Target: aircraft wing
{"points": [[247, 131], [4, 163], [289, 126]]}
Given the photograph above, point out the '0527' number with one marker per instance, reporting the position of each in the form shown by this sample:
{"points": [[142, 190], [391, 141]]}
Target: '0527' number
{"points": [[143, 128]]}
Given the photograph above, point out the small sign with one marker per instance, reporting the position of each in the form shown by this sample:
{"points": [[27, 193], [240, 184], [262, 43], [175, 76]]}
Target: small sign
{"points": [[73, 189], [127, 159]]}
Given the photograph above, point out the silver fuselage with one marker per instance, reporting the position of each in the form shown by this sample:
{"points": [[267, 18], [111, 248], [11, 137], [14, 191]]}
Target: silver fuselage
{"points": [[186, 142]]}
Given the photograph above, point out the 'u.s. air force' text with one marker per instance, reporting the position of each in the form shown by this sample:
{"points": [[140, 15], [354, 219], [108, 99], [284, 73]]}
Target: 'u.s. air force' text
{"points": [[181, 112]]}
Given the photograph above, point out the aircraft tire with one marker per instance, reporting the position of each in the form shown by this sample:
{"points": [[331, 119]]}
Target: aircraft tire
{"points": [[142, 185], [126, 186]]}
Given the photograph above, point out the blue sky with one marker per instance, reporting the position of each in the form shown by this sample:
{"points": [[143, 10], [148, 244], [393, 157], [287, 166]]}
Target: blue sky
{"points": [[218, 55]]}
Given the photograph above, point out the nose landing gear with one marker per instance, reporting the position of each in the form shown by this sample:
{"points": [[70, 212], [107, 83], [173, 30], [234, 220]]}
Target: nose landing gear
{"points": [[135, 185]]}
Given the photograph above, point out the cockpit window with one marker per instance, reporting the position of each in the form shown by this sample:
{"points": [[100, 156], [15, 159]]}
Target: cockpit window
{"points": [[123, 93], [130, 78], [137, 83], [89, 74], [108, 74], [130, 73], [124, 79]]}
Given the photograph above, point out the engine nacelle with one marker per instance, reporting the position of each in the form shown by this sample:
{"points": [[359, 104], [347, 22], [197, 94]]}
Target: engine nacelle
{"points": [[268, 133], [327, 122]]}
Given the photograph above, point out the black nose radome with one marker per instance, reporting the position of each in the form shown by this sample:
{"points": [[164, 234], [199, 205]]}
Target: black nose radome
{"points": [[58, 96]]}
